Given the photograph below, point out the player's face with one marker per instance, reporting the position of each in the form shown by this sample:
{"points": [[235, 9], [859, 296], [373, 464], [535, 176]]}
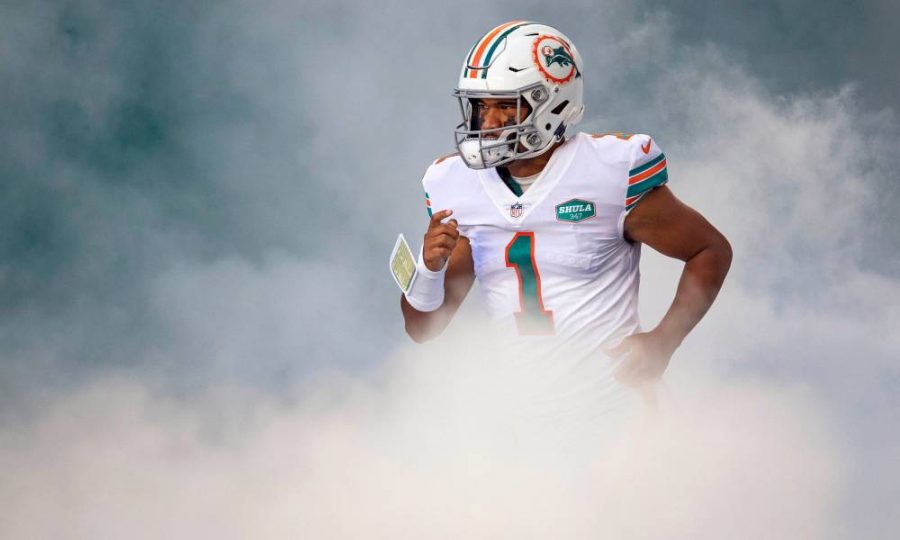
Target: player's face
{"points": [[498, 113]]}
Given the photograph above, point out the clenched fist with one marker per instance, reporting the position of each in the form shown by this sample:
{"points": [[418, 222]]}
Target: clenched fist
{"points": [[440, 239], [648, 357]]}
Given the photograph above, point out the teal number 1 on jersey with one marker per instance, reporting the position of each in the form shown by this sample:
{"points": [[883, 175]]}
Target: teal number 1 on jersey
{"points": [[532, 319]]}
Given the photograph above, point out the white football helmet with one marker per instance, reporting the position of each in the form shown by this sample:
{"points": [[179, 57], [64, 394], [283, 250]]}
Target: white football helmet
{"points": [[519, 60]]}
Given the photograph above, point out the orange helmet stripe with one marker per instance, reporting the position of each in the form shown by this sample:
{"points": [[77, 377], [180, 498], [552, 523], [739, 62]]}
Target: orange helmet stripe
{"points": [[479, 51]]}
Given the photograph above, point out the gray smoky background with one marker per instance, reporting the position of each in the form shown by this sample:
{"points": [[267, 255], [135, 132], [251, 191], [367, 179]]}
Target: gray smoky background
{"points": [[199, 335]]}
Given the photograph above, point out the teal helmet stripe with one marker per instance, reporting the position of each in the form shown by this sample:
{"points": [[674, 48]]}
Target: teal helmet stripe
{"points": [[472, 52], [474, 47], [495, 41], [500, 38], [469, 58]]}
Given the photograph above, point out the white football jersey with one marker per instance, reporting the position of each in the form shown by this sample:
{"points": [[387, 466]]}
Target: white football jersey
{"points": [[552, 265], [553, 261]]}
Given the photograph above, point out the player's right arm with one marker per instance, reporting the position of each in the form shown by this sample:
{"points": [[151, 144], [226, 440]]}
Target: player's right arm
{"points": [[442, 245]]}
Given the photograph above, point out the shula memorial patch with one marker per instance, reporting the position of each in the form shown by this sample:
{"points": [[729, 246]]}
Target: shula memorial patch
{"points": [[575, 210]]}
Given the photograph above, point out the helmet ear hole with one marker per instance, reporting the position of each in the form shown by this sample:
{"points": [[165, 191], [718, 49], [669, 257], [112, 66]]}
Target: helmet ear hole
{"points": [[534, 139], [539, 95]]}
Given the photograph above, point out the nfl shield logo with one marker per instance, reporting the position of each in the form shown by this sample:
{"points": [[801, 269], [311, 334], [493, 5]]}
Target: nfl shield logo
{"points": [[516, 210]]}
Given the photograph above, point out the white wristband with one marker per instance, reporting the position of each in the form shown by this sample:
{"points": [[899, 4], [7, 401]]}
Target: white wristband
{"points": [[427, 291]]}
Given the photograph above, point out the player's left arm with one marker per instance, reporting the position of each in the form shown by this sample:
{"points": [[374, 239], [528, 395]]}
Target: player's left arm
{"points": [[674, 229]]}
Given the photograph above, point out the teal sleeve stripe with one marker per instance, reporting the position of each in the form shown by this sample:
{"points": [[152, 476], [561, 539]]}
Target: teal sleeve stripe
{"points": [[429, 210], [657, 179], [647, 165], [632, 205]]}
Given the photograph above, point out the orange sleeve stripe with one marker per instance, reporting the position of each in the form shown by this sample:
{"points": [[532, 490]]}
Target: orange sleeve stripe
{"points": [[648, 173], [630, 200]]}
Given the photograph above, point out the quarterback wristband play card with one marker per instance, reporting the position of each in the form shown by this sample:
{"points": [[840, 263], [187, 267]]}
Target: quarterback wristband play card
{"points": [[403, 264]]}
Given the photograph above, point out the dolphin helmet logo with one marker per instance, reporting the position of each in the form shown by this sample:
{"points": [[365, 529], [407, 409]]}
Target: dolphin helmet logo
{"points": [[554, 59], [557, 56]]}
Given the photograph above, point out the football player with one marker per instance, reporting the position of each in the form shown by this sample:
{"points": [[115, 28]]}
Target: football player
{"points": [[552, 225]]}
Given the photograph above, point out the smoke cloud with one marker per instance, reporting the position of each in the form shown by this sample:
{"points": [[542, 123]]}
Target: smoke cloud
{"points": [[431, 448]]}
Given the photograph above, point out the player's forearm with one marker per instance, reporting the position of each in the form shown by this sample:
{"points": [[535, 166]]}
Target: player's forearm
{"points": [[700, 282], [422, 326]]}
